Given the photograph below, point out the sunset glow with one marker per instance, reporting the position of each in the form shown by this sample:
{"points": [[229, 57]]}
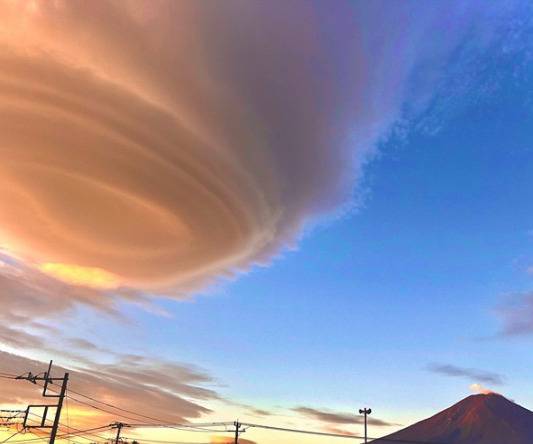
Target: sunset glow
{"points": [[84, 276]]}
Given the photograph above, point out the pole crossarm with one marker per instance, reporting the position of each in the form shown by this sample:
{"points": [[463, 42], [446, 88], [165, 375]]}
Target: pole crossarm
{"points": [[119, 426], [60, 396]]}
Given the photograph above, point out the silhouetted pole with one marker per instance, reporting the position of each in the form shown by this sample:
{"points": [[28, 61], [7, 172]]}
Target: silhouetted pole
{"points": [[119, 426], [48, 380], [365, 412], [62, 394], [237, 425]]}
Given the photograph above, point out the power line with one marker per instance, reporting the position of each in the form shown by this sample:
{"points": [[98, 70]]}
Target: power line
{"points": [[180, 427], [116, 407], [73, 428], [307, 432], [337, 435], [203, 427], [199, 427], [66, 409], [160, 423], [62, 435], [77, 430], [94, 406], [159, 420], [164, 442], [11, 436]]}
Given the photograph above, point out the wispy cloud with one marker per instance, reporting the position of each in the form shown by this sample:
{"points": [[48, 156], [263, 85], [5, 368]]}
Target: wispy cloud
{"points": [[161, 389], [516, 315], [260, 412], [467, 373], [339, 431], [332, 417]]}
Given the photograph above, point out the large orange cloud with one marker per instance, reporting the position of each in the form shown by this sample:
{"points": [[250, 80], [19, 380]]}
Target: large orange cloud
{"points": [[160, 144], [163, 143]]}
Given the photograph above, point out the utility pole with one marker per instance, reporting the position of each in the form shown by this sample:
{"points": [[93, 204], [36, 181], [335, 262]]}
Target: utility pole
{"points": [[48, 380], [365, 412], [118, 426], [237, 425], [62, 394]]}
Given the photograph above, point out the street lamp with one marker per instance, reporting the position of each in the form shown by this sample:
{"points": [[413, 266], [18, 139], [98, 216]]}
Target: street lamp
{"points": [[365, 412]]}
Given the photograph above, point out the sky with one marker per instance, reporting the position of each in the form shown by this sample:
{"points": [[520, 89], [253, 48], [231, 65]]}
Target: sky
{"points": [[277, 212]]}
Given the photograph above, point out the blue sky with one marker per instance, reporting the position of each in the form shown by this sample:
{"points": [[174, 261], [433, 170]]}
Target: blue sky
{"points": [[412, 276]]}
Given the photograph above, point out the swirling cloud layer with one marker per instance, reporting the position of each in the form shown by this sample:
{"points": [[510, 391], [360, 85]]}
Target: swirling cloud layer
{"points": [[160, 144]]}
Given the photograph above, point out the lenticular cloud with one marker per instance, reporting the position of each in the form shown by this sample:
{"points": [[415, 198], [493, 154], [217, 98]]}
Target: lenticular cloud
{"points": [[157, 143], [160, 144]]}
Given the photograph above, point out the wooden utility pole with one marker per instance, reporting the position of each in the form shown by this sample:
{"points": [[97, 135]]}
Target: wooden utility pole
{"points": [[118, 426], [61, 397], [237, 425]]}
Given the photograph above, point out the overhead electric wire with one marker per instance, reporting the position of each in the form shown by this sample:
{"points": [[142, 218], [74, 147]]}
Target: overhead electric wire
{"points": [[92, 405], [201, 427], [115, 407], [78, 430], [337, 435], [11, 436], [195, 426], [180, 427], [66, 409], [198, 427], [159, 420], [307, 432], [63, 435], [46, 438], [165, 442]]}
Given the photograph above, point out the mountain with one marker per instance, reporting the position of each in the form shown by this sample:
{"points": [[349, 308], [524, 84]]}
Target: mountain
{"points": [[477, 419]]}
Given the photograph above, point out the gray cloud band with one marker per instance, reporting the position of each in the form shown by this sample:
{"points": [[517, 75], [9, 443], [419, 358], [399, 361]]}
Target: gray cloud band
{"points": [[471, 374], [133, 381]]}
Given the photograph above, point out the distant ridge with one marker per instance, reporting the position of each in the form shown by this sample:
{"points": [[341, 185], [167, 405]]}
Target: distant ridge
{"points": [[477, 419]]}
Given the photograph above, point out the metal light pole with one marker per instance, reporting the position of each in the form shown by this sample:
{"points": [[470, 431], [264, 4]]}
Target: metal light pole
{"points": [[365, 412]]}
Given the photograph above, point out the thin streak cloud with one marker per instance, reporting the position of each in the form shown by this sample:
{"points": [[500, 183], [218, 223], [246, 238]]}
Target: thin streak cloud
{"points": [[467, 373], [344, 418]]}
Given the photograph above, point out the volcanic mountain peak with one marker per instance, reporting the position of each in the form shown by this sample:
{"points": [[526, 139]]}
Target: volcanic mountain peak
{"points": [[478, 419]]}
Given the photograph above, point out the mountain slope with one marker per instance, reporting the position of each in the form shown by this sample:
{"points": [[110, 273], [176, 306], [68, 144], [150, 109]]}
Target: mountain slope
{"points": [[478, 419]]}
